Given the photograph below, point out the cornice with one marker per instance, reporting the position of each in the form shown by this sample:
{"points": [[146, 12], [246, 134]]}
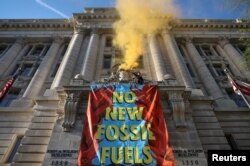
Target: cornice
{"points": [[36, 24]]}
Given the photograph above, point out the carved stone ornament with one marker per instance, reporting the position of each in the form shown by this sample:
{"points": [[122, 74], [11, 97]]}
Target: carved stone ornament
{"points": [[70, 111], [178, 107]]}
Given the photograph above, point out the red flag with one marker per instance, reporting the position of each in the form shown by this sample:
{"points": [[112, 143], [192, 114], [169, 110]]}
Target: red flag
{"points": [[9, 83], [6, 88], [239, 86]]}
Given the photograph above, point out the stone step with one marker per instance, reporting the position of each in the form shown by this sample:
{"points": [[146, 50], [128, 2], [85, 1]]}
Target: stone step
{"points": [[35, 141], [29, 158], [38, 133], [41, 126], [32, 149], [44, 119], [14, 124]]}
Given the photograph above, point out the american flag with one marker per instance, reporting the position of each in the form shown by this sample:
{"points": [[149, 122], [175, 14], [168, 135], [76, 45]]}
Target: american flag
{"points": [[6, 88], [240, 86], [9, 83]]}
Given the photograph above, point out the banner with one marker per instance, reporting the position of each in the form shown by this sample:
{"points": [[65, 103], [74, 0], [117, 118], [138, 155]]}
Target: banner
{"points": [[124, 125]]}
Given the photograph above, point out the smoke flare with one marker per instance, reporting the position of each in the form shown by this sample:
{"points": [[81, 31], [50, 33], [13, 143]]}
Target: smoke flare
{"points": [[139, 18]]}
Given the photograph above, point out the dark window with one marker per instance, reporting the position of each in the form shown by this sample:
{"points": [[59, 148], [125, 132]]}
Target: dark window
{"points": [[45, 50], [27, 52], [237, 99], [199, 50], [108, 42], [26, 70], [55, 70], [37, 51], [10, 96], [107, 61], [215, 49], [15, 148], [190, 70], [219, 71], [181, 51], [206, 50], [2, 49], [211, 70], [64, 50]]}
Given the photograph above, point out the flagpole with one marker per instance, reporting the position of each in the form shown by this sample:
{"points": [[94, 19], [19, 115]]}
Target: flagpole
{"points": [[244, 98]]}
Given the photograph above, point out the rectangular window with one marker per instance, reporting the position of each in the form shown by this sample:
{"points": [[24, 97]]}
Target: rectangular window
{"points": [[140, 62], [45, 50], [199, 50], [64, 50], [106, 61], [3, 48], [109, 41], [219, 71], [37, 51], [206, 50], [26, 70], [15, 148], [10, 96], [181, 51], [236, 98]]}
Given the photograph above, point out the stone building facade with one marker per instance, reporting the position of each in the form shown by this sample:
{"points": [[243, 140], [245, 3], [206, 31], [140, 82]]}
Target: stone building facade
{"points": [[41, 117]]}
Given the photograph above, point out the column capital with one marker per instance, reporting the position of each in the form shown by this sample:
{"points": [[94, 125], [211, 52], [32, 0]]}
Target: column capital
{"points": [[95, 31], [223, 40], [20, 40], [58, 39], [187, 40], [79, 30]]}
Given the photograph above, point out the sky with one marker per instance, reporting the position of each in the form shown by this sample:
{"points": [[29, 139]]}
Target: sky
{"points": [[28, 9]]}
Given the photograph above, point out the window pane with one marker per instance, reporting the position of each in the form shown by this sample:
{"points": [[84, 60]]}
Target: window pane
{"points": [[10, 96], [108, 42], [107, 61], [26, 70], [237, 99]]}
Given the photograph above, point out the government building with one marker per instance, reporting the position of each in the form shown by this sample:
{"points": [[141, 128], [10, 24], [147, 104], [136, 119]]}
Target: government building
{"points": [[42, 115]]}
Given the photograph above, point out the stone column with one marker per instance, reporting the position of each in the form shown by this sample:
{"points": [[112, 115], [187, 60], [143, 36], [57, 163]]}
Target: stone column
{"points": [[235, 57], [10, 55], [234, 69], [203, 72], [67, 66], [89, 64], [14, 62], [43, 70], [177, 61], [159, 66]]}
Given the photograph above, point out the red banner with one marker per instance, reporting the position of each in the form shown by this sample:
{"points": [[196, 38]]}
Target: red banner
{"points": [[124, 124]]}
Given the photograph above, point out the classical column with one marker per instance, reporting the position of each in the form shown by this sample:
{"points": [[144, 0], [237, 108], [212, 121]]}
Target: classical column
{"points": [[14, 62], [89, 64], [67, 66], [158, 61], [43, 70], [10, 55], [235, 57], [232, 66], [177, 62], [203, 72]]}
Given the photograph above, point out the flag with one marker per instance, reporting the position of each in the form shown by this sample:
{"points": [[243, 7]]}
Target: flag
{"points": [[8, 84], [125, 125], [6, 88], [239, 86]]}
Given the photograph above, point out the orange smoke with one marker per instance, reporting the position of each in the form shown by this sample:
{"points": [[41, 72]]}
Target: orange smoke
{"points": [[139, 18]]}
